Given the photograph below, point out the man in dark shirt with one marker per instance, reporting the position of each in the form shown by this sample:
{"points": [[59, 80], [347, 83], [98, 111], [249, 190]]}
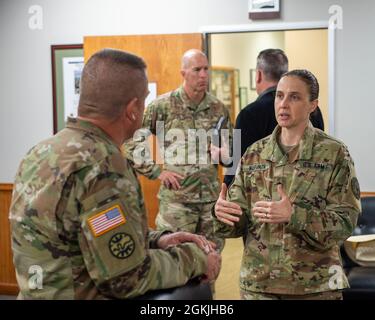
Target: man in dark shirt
{"points": [[257, 120]]}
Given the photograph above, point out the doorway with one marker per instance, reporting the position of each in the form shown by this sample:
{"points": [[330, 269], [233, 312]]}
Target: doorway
{"points": [[236, 53]]}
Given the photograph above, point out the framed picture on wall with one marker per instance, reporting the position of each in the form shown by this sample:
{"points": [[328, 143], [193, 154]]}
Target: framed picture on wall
{"points": [[253, 79], [236, 82], [67, 65], [222, 86], [264, 9]]}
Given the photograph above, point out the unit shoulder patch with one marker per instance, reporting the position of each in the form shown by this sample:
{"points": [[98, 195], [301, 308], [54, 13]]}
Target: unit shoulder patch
{"points": [[121, 245]]}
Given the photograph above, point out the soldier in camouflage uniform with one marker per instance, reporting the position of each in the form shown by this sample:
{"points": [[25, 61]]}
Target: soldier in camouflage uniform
{"points": [[189, 187], [79, 226], [296, 198]]}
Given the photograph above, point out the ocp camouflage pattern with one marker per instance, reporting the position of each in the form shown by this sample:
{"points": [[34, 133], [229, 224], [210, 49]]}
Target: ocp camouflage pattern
{"points": [[61, 184], [302, 256]]}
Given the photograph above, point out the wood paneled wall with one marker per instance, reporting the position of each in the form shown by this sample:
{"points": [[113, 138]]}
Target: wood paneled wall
{"points": [[8, 283], [162, 54]]}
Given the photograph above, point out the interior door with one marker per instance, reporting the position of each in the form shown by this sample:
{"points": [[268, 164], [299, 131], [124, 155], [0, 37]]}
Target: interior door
{"points": [[162, 54]]}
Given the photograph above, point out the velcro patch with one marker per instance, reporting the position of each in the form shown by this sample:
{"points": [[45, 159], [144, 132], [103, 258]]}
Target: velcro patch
{"points": [[121, 245], [258, 167], [106, 220], [355, 188], [314, 165]]}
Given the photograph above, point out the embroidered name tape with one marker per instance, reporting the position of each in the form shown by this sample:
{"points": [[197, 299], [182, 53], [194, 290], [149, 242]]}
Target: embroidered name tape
{"points": [[258, 167], [321, 166], [106, 220]]}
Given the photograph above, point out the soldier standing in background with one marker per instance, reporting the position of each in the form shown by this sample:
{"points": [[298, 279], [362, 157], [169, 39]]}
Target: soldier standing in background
{"points": [[77, 213], [189, 189], [296, 198]]}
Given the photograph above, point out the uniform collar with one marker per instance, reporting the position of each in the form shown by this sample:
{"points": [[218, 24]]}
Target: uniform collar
{"points": [[273, 152], [203, 105], [89, 128], [270, 89]]}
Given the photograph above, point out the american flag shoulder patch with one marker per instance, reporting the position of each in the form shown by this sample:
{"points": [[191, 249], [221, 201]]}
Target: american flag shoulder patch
{"points": [[106, 220]]}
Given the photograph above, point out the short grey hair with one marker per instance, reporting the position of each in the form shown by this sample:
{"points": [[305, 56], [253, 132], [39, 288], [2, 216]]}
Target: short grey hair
{"points": [[273, 62]]}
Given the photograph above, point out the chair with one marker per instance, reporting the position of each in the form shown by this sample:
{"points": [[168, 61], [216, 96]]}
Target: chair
{"points": [[361, 279], [193, 290]]}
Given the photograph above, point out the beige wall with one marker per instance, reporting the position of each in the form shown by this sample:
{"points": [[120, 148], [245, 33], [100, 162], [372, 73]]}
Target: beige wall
{"points": [[309, 50], [240, 50]]}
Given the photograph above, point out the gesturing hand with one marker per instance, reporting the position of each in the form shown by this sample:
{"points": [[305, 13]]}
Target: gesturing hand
{"points": [[226, 211], [274, 211], [170, 179]]}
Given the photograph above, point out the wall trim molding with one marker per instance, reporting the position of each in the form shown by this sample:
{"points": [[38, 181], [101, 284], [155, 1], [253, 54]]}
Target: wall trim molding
{"points": [[279, 26], [367, 194], [9, 187], [8, 289], [6, 186]]}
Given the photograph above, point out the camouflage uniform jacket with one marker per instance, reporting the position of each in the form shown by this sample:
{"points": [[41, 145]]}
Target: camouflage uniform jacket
{"points": [[302, 256], [200, 180], [77, 214]]}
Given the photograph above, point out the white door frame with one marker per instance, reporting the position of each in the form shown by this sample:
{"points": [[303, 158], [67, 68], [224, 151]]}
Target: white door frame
{"points": [[284, 26]]}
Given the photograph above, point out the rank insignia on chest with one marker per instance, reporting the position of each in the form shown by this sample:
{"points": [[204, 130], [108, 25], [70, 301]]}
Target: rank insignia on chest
{"points": [[106, 220]]}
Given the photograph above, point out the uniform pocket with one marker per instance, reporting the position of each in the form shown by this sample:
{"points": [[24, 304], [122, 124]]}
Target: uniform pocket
{"points": [[257, 184]]}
